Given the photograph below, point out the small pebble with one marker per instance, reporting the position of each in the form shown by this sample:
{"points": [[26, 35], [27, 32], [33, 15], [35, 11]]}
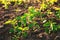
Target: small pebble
{"points": [[1, 26]]}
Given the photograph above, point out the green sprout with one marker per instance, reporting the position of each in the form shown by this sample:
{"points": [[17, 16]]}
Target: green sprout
{"points": [[58, 14]]}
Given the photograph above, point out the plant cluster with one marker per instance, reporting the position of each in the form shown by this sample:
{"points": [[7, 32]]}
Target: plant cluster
{"points": [[8, 2], [43, 5], [21, 24]]}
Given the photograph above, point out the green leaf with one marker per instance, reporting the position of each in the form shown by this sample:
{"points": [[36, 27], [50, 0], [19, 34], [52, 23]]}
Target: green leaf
{"points": [[6, 6], [11, 30], [58, 26], [23, 29], [18, 18], [47, 24], [38, 12], [23, 20], [52, 1], [20, 1], [26, 28], [47, 30], [30, 18], [25, 34], [7, 22], [25, 14], [31, 9], [19, 24], [57, 14], [18, 30], [54, 28], [13, 21], [30, 25]]}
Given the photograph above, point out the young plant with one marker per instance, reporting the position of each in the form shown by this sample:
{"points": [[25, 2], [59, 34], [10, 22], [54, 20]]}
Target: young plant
{"points": [[50, 26], [57, 14], [6, 3]]}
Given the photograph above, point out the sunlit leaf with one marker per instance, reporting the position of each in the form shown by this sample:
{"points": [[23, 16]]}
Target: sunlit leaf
{"points": [[31, 9], [20, 1], [20, 28], [13, 21], [7, 22], [26, 28]]}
